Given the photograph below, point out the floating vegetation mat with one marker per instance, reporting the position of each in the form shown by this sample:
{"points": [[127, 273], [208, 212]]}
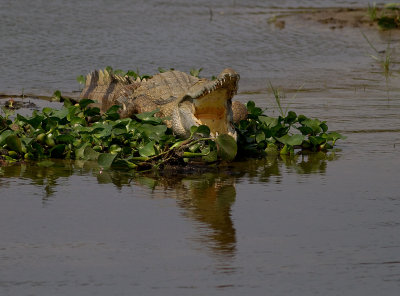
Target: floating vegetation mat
{"points": [[79, 131]]}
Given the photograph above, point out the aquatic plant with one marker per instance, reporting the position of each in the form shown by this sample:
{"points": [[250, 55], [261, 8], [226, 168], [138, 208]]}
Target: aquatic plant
{"points": [[81, 132], [387, 17], [384, 59], [131, 73], [81, 80], [372, 11], [195, 72], [261, 134], [279, 97]]}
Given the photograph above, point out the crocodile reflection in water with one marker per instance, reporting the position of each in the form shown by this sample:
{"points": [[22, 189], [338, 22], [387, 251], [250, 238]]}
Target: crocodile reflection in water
{"points": [[205, 198]]}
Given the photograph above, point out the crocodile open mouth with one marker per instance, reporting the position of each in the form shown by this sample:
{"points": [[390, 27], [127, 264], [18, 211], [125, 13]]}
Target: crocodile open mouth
{"points": [[213, 102], [213, 110]]}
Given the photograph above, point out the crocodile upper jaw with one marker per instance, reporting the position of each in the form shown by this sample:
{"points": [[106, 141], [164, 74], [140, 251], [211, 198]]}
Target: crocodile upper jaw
{"points": [[212, 101]]}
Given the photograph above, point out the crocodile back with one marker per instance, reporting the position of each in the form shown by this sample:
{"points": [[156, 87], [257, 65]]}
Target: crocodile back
{"points": [[161, 87], [101, 86]]}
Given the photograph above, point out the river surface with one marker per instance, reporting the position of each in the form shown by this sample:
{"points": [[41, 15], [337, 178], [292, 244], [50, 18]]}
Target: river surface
{"points": [[322, 224]]}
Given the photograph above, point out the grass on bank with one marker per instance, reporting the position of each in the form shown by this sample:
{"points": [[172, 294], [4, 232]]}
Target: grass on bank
{"points": [[386, 17]]}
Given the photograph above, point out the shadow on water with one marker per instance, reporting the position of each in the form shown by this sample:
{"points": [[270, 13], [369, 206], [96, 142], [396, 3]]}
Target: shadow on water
{"points": [[204, 195]]}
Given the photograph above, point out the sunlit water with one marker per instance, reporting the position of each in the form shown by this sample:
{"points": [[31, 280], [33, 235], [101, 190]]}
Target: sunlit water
{"points": [[310, 225]]}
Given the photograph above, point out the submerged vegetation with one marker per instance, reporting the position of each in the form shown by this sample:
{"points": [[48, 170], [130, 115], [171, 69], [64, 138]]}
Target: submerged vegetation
{"points": [[79, 131]]}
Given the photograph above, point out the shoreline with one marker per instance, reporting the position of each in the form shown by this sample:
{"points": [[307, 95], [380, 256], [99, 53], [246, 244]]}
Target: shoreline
{"points": [[334, 18]]}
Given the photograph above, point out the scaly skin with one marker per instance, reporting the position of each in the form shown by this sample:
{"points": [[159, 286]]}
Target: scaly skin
{"points": [[185, 99]]}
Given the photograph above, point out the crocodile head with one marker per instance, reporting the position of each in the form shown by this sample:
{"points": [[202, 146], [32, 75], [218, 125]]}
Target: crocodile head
{"points": [[209, 103]]}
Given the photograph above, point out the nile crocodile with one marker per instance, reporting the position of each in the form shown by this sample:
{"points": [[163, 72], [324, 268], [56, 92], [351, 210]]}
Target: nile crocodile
{"points": [[184, 100]]}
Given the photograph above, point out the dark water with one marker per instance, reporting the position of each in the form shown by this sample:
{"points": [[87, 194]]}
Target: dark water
{"points": [[309, 225]]}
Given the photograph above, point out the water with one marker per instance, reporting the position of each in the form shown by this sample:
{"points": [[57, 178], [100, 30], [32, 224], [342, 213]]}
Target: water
{"points": [[313, 225], [45, 46]]}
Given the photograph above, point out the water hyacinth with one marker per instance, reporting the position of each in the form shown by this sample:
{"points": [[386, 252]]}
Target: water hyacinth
{"points": [[81, 132]]}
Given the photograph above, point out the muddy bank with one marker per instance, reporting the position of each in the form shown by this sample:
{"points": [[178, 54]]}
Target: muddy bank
{"points": [[334, 18]]}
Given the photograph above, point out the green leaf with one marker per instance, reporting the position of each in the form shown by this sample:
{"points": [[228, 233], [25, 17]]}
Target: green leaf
{"points": [[37, 150], [268, 121], [287, 149], [291, 117], [333, 136], [109, 69], [305, 130], [85, 102], [78, 120], [147, 150], [149, 129], [314, 124], [103, 130], [293, 140], [67, 103], [194, 147], [195, 72], [212, 156], [119, 131], [26, 141], [21, 118], [301, 118], [132, 73], [115, 149], [227, 147], [90, 154], [193, 130], [324, 127], [94, 111], [35, 121], [105, 160], [57, 96], [252, 109], [4, 135], [317, 140], [149, 117], [202, 130], [260, 137], [336, 136], [61, 114], [80, 151], [123, 164], [112, 112], [67, 138], [57, 151], [14, 143], [81, 79], [47, 111], [119, 72]]}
